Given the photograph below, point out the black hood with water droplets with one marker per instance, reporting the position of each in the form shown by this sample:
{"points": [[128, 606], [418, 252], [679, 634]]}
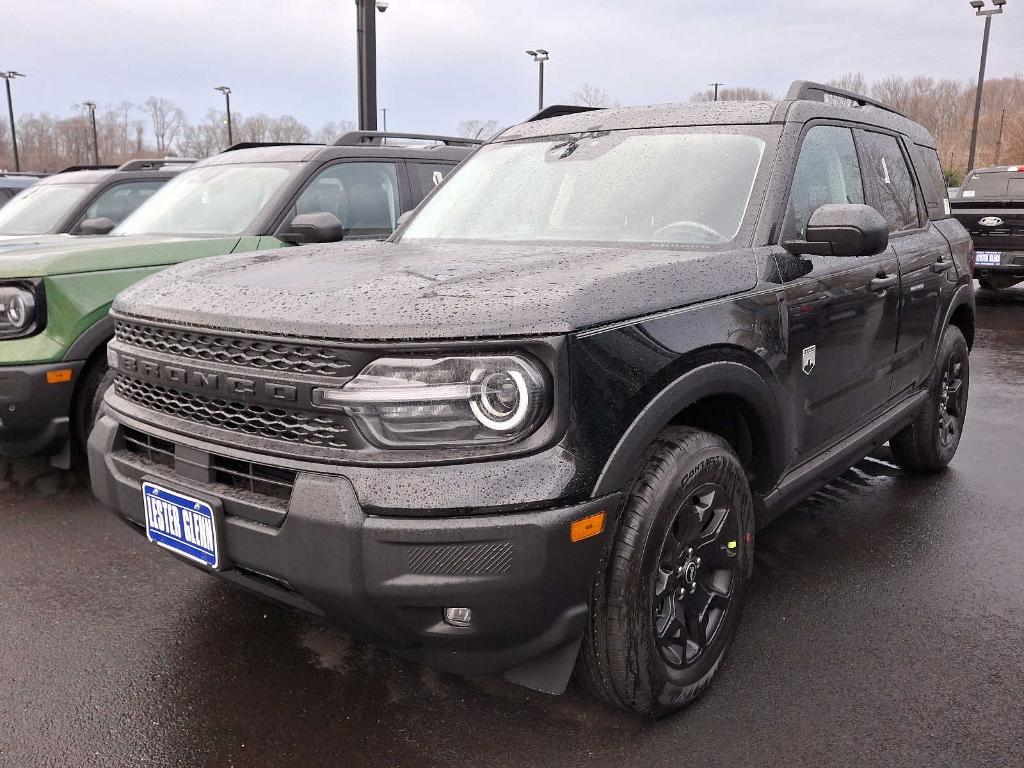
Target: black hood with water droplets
{"points": [[386, 291]]}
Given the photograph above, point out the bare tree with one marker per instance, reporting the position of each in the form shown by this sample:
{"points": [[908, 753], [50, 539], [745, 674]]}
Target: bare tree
{"points": [[588, 95], [287, 128], [167, 121], [331, 130], [478, 129], [739, 93]]}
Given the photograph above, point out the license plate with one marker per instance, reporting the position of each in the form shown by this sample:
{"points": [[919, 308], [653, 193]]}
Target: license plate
{"points": [[988, 257], [182, 524]]}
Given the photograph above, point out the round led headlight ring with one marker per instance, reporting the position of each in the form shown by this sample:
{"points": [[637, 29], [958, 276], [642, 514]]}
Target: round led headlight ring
{"points": [[19, 309], [503, 401]]}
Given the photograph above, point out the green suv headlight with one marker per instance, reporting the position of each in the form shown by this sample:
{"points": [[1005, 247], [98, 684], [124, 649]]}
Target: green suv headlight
{"points": [[443, 401], [21, 308]]}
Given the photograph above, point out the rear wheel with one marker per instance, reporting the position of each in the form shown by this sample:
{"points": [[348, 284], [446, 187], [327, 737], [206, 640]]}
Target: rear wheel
{"points": [[931, 440], [667, 607]]}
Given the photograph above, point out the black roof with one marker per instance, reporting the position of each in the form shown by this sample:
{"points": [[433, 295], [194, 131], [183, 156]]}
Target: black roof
{"points": [[805, 101], [143, 167], [351, 144]]}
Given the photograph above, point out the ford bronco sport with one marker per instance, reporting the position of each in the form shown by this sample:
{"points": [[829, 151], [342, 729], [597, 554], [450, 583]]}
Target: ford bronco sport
{"points": [[84, 199], [54, 297], [538, 428]]}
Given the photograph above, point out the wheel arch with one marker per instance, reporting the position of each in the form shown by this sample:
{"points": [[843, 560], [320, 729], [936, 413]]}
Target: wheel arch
{"points": [[725, 397]]}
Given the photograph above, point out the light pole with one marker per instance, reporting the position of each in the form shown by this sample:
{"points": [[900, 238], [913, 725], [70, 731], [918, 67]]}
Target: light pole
{"points": [[8, 76], [979, 10], [227, 108], [91, 106], [366, 54], [715, 86], [540, 56]]}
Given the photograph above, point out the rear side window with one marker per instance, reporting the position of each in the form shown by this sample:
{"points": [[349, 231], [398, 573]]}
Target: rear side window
{"points": [[890, 181], [827, 172], [933, 183], [430, 174]]}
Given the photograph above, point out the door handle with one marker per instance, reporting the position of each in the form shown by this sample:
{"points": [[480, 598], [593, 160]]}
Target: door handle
{"points": [[880, 284], [942, 265]]}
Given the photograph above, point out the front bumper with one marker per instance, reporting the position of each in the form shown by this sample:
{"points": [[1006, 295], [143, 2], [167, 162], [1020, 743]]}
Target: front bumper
{"points": [[385, 577], [34, 414]]}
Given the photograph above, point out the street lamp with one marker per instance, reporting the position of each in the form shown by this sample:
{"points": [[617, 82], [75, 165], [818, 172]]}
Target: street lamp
{"points": [[540, 56], [8, 76], [91, 106], [715, 86], [366, 54], [980, 10], [227, 107]]}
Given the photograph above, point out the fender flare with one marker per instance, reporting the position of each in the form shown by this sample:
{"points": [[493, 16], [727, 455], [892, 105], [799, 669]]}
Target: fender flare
{"points": [[713, 378], [94, 337]]}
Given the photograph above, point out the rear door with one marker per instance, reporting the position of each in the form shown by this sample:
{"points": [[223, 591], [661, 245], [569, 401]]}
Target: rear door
{"points": [[923, 253], [842, 313]]}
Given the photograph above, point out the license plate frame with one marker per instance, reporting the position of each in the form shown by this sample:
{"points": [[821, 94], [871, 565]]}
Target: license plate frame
{"points": [[988, 258], [200, 539]]}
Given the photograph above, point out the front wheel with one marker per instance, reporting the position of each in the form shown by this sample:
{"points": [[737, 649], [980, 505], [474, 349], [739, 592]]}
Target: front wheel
{"points": [[931, 440], [666, 608]]}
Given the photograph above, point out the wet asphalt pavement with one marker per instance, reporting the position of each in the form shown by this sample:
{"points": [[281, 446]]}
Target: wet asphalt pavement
{"points": [[885, 627]]}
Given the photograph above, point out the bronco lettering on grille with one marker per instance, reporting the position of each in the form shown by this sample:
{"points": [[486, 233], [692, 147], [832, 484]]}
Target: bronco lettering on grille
{"points": [[206, 381]]}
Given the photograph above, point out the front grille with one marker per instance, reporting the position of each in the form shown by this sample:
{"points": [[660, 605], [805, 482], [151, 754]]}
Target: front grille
{"points": [[272, 423], [264, 355]]}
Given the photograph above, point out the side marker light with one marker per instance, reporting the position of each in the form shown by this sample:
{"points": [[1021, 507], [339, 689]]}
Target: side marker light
{"points": [[58, 376], [587, 527]]}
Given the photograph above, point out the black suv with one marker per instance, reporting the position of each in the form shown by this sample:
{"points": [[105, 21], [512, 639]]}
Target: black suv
{"points": [[538, 428], [85, 199], [13, 183]]}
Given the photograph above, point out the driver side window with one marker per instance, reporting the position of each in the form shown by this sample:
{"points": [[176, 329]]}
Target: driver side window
{"points": [[826, 172], [362, 195]]}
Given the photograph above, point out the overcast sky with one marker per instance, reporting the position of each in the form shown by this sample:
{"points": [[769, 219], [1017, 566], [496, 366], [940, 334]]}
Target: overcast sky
{"points": [[443, 61]]}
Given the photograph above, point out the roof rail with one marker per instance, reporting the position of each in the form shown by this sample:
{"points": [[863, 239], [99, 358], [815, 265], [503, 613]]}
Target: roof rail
{"points": [[557, 110], [376, 138], [256, 144], [806, 90], [154, 164], [71, 168]]}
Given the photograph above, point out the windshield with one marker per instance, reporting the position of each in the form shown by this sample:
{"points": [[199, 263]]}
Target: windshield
{"points": [[674, 186], [40, 209], [209, 200]]}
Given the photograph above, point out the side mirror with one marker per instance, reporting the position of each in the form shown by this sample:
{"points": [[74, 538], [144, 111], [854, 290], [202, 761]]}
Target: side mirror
{"points": [[309, 228], [843, 230], [98, 226]]}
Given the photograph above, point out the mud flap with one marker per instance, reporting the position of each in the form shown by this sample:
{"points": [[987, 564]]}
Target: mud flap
{"points": [[550, 673]]}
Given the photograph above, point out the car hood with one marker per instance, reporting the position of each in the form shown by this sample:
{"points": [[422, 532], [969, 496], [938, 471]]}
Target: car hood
{"points": [[384, 290], [65, 254]]}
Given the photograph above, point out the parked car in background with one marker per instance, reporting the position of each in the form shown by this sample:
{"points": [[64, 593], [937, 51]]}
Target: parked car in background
{"points": [[13, 183], [84, 199], [54, 296], [952, 192], [991, 206], [539, 426]]}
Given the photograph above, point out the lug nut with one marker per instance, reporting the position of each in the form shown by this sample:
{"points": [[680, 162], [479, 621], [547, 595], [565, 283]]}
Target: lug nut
{"points": [[693, 587], [698, 561]]}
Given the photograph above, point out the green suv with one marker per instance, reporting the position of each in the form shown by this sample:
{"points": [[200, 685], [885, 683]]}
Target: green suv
{"points": [[54, 297]]}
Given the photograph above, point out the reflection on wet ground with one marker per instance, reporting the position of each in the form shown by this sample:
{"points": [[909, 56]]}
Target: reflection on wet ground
{"points": [[884, 628]]}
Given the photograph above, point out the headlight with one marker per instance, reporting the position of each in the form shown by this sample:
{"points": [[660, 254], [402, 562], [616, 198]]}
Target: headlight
{"points": [[20, 313], [443, 401]]}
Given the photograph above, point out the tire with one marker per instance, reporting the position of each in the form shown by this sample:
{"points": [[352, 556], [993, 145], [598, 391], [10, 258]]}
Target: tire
{"points": [[88, 399], [686, 525], [931, 440]]}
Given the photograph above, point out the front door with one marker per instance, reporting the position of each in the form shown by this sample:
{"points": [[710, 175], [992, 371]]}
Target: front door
{"points": [[842, 313]]}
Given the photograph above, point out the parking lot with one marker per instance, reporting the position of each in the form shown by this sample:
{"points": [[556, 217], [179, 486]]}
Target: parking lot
{"points": [[885, 628]]}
